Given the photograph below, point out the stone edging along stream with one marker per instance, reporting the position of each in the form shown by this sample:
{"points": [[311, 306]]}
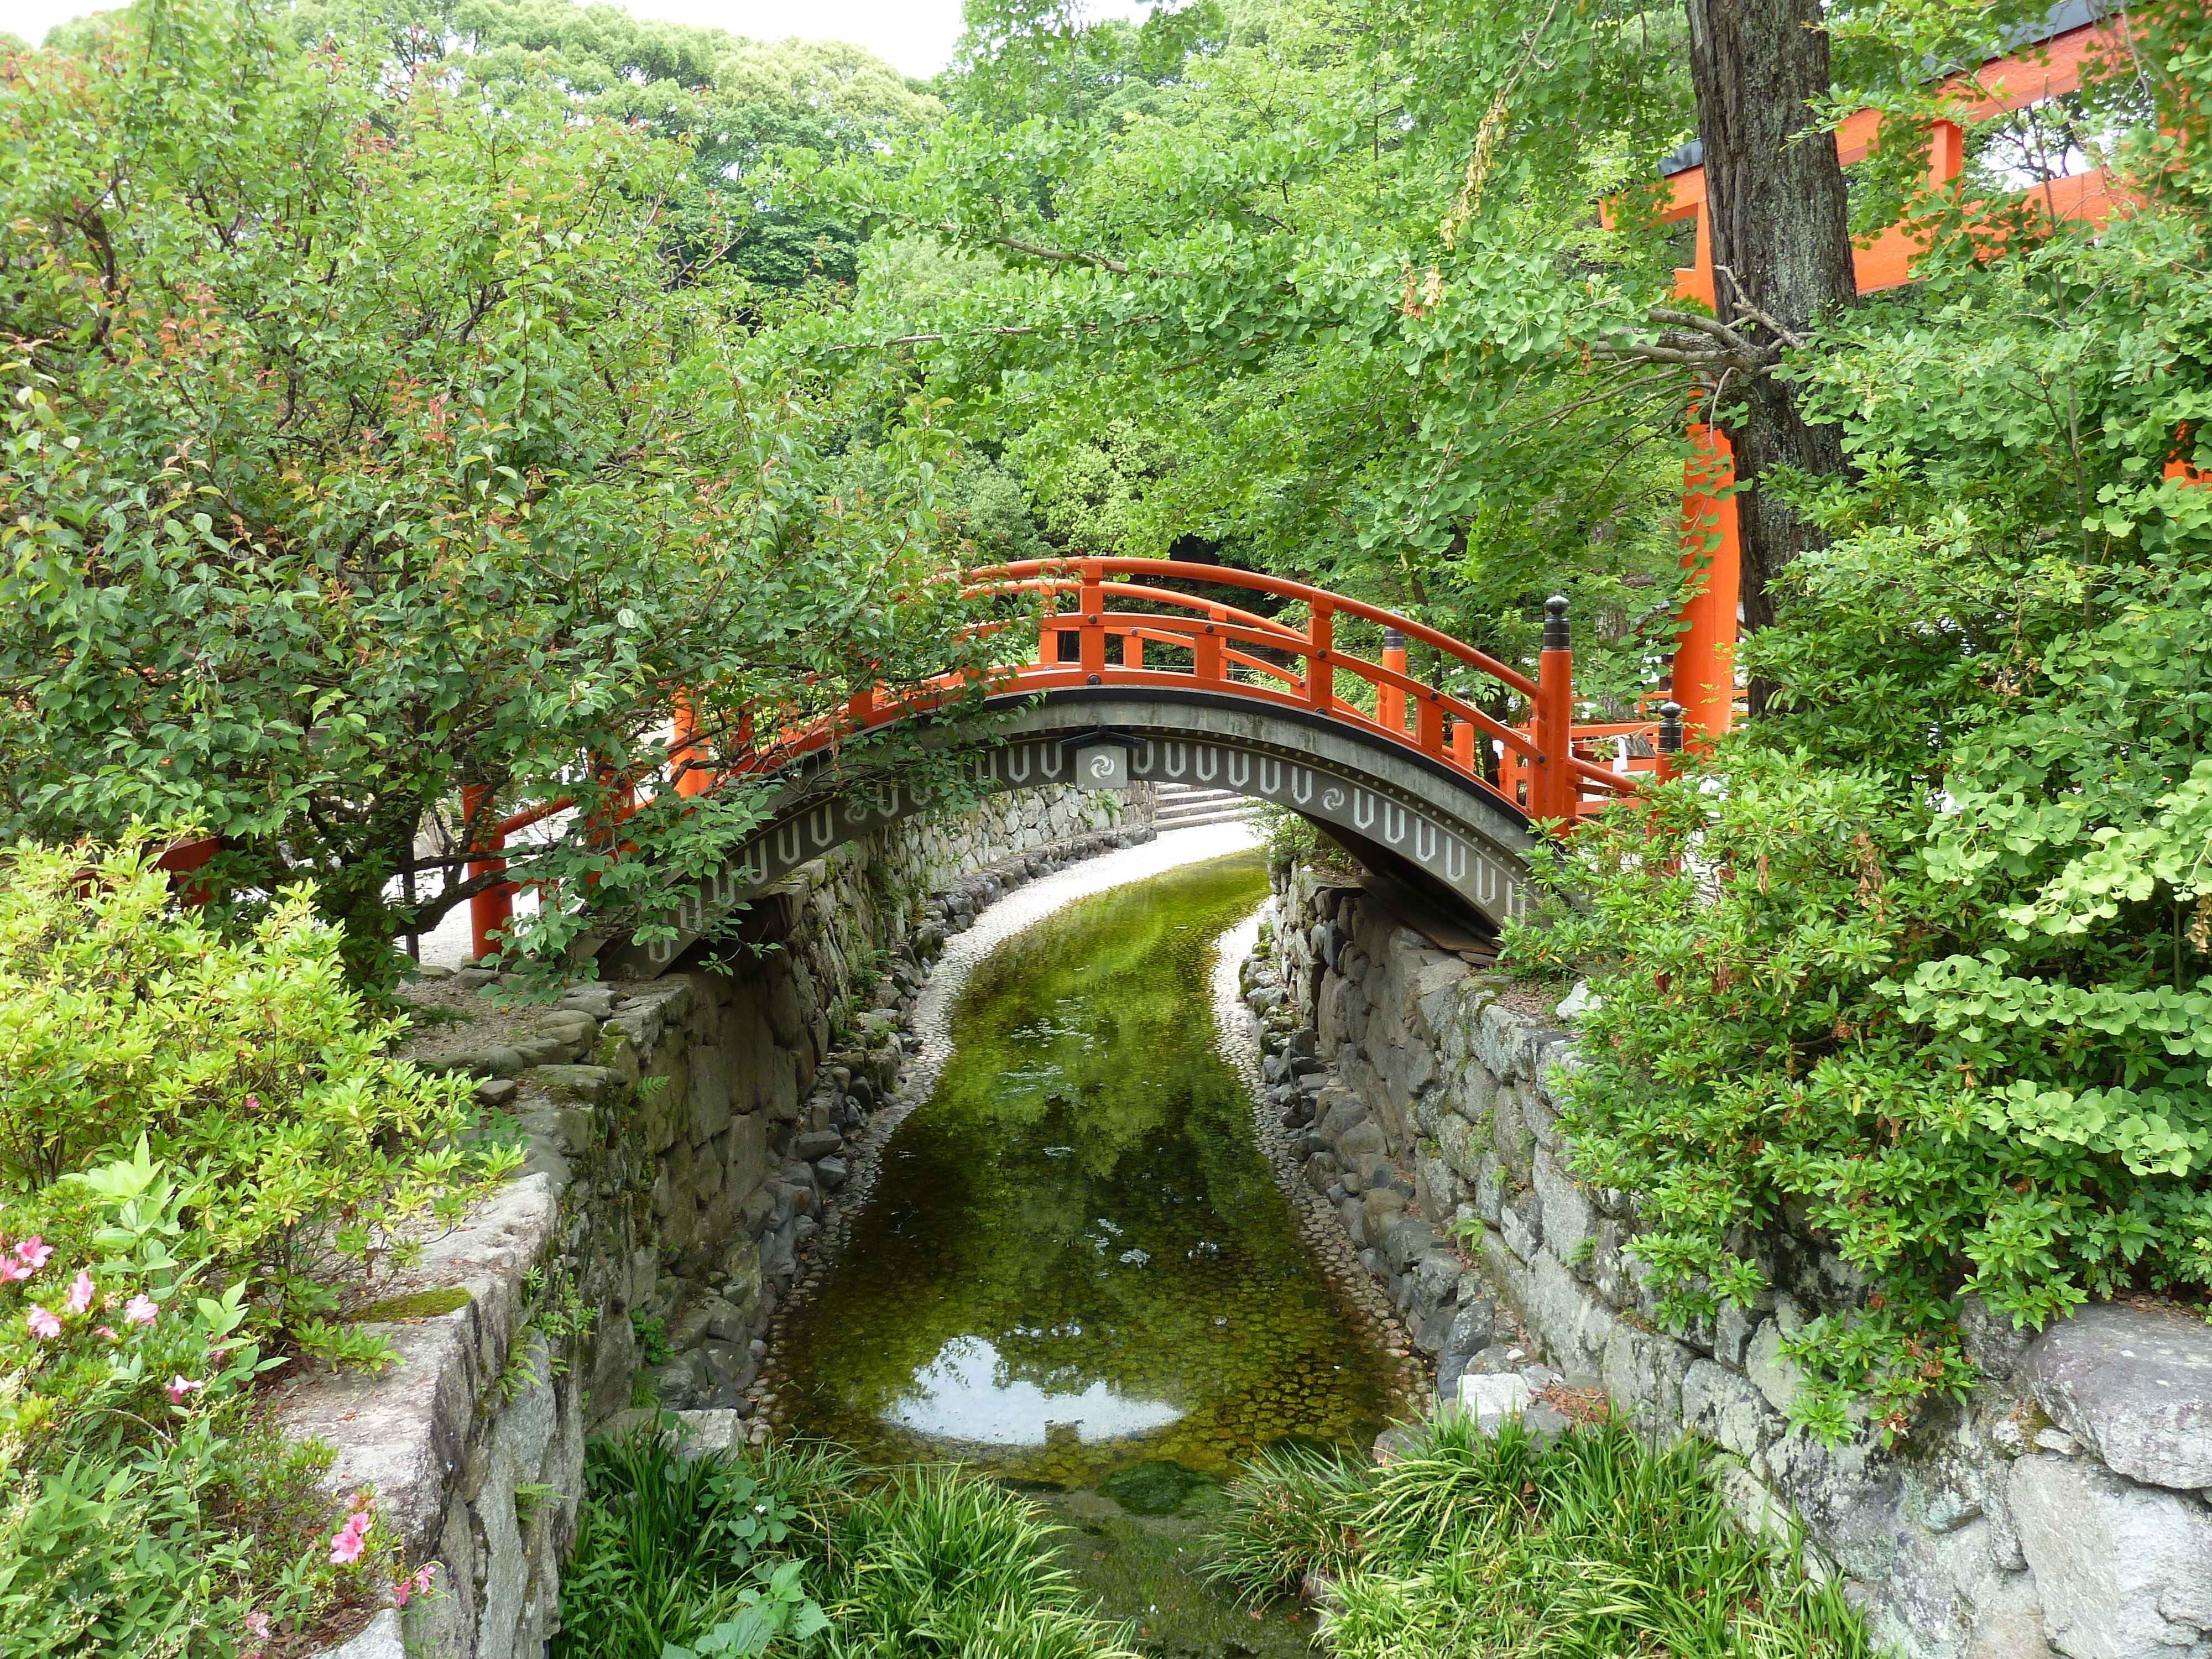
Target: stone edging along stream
{"points": [[929, 1042], [681, 1132], [2060, 1509]]}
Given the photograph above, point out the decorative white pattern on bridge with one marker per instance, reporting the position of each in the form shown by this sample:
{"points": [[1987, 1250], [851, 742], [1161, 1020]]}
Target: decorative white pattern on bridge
{"points": [[1412, 830]]}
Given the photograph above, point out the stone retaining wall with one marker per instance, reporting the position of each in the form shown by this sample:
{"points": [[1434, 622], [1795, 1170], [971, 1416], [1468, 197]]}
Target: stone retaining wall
{"points": [[2061, 1508], [680, 1132]]}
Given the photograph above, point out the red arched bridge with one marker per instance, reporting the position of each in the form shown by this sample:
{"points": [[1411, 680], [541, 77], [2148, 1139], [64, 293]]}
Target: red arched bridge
{"points": [[1192, 690]]}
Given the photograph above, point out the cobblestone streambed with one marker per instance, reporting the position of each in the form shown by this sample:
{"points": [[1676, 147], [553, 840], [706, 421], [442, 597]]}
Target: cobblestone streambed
{"points": [[1079, 1268]]}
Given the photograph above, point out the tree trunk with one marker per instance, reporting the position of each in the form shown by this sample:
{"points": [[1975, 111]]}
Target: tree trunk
{"points": [[1779, 222]]}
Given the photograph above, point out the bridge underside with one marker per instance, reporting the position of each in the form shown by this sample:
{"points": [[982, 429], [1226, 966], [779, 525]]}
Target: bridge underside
{"points": [[1402, 814]]}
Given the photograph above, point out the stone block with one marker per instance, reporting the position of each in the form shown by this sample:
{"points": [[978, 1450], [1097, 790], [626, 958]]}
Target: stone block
{"points": [[1472, 1091], [2135, 1385], [709, 1093], [1776, 1377], [1438, 1189], [1474, 1322], [1727, 1410], [1536, 1110], [1643, 1374], [587, 1083], [1457, 1146], [1569, 1217], [1406, 1242], [1490, 1190], [1435, 994], [1515, 1216], [2124, 1571], [1490, 1400], [1509, 1137], [1850, 1496], [1572, 1325]]}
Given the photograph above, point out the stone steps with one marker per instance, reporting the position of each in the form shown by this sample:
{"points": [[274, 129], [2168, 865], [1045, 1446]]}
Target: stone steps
{"points": [[1185, 806]]}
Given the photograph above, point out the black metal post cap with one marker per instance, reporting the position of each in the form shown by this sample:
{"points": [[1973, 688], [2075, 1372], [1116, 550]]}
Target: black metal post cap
{"points": [[1670, 728], [1555, 622], [1393, 639]]}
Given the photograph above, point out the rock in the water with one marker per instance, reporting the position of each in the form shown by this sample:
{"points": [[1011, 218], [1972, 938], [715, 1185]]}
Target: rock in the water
{"points": [[2135, 1385], [832, 1173], [1156, 1488]]}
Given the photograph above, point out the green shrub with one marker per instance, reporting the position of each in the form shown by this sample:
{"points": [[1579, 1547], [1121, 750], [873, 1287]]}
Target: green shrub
{"points": [[800, 1550], [204, 1149], [1586, 1548], [314, 1162]]}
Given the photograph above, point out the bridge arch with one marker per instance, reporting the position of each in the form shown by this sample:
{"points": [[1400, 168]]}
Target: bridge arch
{"points": [[1197, 690], [1403, 814]]}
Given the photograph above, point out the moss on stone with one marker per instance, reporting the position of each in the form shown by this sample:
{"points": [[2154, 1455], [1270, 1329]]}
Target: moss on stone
{"points": [[420, 1304]]}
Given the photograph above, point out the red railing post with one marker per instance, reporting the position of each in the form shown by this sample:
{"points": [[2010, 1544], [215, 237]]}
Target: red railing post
{"points": [[490, 910], [1389, 701], [1428, 724], [1093, 636], [1552, 781], [1321, 671], [1463, 740], [1205, 651]]}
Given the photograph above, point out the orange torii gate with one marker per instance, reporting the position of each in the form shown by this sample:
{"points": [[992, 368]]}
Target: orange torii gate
{"points": [[1704, 681]]}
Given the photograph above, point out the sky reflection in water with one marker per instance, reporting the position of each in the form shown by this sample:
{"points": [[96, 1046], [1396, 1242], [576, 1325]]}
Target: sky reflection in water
{"points": [[965, 1393]]}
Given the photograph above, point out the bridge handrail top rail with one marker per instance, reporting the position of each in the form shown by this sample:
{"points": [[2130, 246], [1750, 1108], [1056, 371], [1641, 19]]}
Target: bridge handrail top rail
{"points": [[1175, 630], [1076, 571]]}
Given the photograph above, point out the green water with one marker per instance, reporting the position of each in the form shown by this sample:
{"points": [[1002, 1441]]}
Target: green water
{"points": [[1077, 1268]]}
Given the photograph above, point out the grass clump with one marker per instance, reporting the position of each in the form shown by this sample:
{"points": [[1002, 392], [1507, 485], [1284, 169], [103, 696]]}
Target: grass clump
{"points": [[1589, 1546], [802, 1551]]}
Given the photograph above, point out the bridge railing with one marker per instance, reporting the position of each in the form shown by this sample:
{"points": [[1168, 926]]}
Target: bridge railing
{"points": [[1212, 646], [1549, 767]]}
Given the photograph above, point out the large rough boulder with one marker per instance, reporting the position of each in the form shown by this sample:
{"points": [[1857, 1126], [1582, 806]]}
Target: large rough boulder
{"points": [[2125, 1571], [2135, 1385]]}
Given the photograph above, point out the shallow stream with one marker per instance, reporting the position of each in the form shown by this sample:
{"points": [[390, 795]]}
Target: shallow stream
{"points": [[1077, 1272]]}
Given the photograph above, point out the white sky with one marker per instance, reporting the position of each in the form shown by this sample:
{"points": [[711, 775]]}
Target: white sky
{"points": [[916, 35]]}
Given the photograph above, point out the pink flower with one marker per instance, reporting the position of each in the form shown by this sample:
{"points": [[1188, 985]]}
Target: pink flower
{"points": [[139, 1311], [33, 1253], [80, 1293], [257, 1627], [103, 1330], [42, 1323], [11, 1270], [181, 1386], [346, 1543]]}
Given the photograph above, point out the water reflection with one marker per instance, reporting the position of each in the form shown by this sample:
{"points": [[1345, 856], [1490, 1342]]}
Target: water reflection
{"points": [[967, 1393], [1076, 1256]]}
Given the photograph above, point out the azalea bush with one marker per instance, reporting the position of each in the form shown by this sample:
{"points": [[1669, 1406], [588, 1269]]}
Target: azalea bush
{"points": [[1921, 961], [208, 1158], [316, 1163], [149, 1505]]}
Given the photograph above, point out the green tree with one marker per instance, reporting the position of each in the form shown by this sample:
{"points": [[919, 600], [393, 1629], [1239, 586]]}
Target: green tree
{"points": [[731, 101], [361, 449], [1924, 959]]}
